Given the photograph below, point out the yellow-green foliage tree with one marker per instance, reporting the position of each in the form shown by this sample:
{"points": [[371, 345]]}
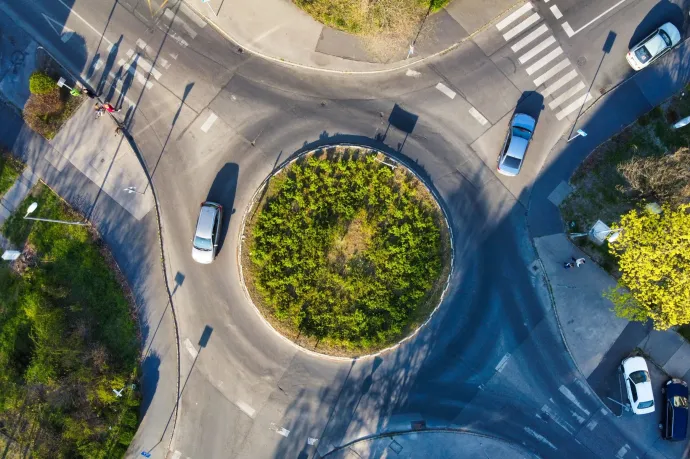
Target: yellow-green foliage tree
{"points": [[653, 254]]}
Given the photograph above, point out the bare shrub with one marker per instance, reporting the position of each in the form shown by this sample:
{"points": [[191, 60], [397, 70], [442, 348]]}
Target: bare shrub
{"points": [[42, 112], [662, 178]]}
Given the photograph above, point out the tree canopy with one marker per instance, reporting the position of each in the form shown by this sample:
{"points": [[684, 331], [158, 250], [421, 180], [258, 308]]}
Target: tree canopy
{"points": [[346, 250], [653, 253]]}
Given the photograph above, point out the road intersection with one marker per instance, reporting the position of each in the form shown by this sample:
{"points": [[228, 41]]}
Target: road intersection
{"points": [[212, 121]]}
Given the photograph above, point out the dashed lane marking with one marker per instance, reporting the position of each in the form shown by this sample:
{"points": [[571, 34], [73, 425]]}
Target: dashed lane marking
{"points": [[212, 117], [556, 12], [248, 410], [190, 348], [502, 363], [446, 90], [623, 451], [513, 16], [521, 26], [478, 116]]}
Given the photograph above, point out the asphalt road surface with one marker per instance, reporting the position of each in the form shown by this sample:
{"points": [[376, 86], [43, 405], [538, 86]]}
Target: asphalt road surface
{"points": [[212, 122]]}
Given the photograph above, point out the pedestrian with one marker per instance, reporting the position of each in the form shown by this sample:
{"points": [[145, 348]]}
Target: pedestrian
{"points": [[100, 111], [110, 109], [579, 261], [567, 265], [87, 93]]}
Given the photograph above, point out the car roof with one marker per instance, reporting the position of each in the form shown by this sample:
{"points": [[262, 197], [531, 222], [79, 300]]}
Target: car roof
{"points": [[517, 147], [655, 45], [204, 226], [524, 121], [644, 391]]}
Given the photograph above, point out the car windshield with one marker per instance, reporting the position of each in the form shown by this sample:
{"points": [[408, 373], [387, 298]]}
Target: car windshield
{"points": [[648, 404], [639, 376], [664, 36], [642, 54], [680, 402], [511, 162], [521, 132], [202, 243]]}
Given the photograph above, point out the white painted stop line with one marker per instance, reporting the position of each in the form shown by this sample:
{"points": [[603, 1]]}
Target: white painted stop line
{"points": [[446, 90], [209, 122]]}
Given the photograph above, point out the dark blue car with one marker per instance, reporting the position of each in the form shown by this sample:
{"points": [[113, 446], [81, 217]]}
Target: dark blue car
{"points": [[674, 425]]}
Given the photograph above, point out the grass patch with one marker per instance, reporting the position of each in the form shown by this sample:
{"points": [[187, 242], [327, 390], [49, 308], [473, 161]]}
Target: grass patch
{"points": [[644, 163], [10, 170], [388, 26], [68, 337], [345, 254]]}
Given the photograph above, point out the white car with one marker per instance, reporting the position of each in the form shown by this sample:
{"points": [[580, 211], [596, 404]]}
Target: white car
{"points": [[208, 226], [653, 47], [638, 385]]}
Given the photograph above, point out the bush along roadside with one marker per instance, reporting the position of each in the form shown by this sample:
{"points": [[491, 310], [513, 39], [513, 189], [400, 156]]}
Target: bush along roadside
{"points": [[69, 343], [639, 182], [49, 106]]}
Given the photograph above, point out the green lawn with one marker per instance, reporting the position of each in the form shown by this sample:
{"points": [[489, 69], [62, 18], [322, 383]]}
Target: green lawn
{"points": [[68, 337], [10, 169]]}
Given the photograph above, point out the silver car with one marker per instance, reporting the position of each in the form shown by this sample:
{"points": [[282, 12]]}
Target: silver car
{"points": [[205, 241], [516, 143], [654, 46]]}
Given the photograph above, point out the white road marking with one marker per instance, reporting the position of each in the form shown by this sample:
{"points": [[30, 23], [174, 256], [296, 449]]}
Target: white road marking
{"points": [[446, 90], [558, 84], [97, 65], [541, 438], [248, 410], [573, 106], [567, 95], [312, 441], [145, 65], [212, 117], [63, 31], [478, 116], [192, 16], [548, 41], [569, 30], [623, 451], [280, 431], [569, 395], [412, 73], [521, 26], [592, 424], [502, 363], [174, 18], [529, 38], [584, 387], [512, 17], [129, 68], [174, 55], [190, 348], [544, 60], [559, 420], [551, 72], [604, 411], [556, 12], [72, 12], [176, 455]]}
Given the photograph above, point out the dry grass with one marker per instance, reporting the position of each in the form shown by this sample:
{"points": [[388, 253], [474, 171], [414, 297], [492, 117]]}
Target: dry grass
{"points": [[387, 27], [46, 113], [663, 179]]}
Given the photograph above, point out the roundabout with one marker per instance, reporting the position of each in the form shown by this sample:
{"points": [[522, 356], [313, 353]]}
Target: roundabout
{"points": [[345, 251]]}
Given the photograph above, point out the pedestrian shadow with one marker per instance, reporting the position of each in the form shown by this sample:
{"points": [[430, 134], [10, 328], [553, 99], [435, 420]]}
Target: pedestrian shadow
{"points": [[109, 64]]}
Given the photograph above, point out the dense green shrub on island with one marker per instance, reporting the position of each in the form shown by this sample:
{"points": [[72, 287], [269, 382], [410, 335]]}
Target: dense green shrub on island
{"points": [[346, 250], [40, 83]]}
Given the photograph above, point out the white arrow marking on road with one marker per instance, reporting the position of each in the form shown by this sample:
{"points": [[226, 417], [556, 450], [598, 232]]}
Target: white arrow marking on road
{"points": [[63, 32]]}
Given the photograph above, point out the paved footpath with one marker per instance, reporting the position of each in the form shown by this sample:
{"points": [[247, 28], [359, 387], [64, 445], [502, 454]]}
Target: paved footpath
{"points": [[278, 30], [595, 337]]}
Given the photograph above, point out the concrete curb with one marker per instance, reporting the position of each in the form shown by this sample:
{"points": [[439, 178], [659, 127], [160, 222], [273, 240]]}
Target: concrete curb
{"points": [[458, 431], [253, 201], [396, 66]]}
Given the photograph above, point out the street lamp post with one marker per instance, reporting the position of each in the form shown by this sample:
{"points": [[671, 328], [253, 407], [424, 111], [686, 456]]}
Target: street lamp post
{"points": [[421, 26], [32, 208]]}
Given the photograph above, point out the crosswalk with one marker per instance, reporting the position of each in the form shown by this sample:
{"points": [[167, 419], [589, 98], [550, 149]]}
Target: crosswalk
{"points": [[543, 60]]}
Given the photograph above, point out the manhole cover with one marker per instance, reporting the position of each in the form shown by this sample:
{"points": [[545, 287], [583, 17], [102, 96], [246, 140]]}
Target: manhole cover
{"points": [[582, 60], [395, 446]]}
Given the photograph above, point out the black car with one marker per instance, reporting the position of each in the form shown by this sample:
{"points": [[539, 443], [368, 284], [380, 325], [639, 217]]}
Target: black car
{"points": [[674, 425]]}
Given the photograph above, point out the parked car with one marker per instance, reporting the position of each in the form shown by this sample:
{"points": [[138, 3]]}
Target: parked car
{"points": [[653, 47], [638, 385], [515, 146], [208, 225], [674, 424]]}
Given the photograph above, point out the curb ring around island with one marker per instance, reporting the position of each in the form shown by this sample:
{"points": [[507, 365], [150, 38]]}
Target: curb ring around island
{"points": [[394, 161]]}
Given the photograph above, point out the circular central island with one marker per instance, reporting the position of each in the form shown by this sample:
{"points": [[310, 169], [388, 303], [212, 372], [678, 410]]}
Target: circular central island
{"points": [[345, 251]]}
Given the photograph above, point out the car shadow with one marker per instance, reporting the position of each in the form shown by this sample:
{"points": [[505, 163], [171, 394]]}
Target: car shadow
{"points": [[660, 14], [530, 103], [223, 192]]}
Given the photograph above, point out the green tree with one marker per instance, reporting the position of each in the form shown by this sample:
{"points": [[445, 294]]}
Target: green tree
{"points": [[40, 83], [653, 254]]}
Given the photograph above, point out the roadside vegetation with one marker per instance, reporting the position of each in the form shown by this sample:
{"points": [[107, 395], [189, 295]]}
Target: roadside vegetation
{"points": [[388, 26], [48, 106], [344, 254], [10, 170], [640, 181], [68, 339]]}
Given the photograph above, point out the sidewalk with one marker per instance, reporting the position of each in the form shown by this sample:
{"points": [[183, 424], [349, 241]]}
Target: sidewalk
{"points": [[430, 445], [280, 31]]}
